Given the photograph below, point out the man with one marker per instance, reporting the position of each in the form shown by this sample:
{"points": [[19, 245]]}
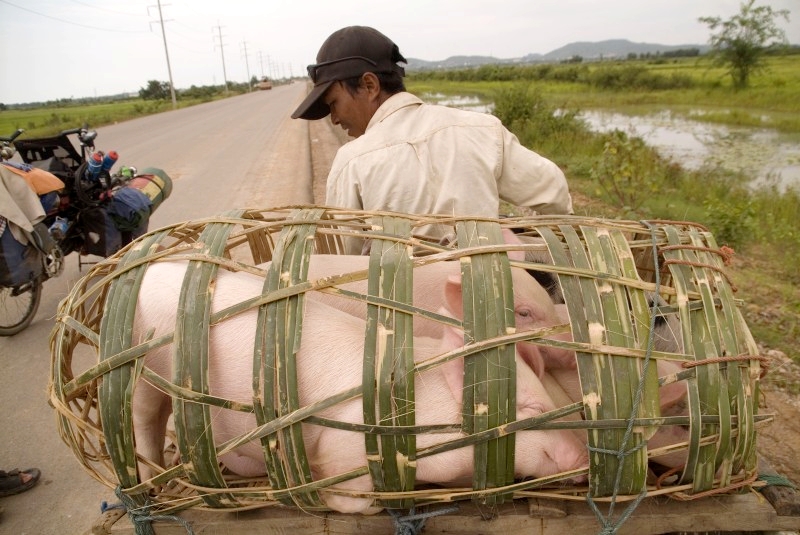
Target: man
{"points": [[412, 157]]}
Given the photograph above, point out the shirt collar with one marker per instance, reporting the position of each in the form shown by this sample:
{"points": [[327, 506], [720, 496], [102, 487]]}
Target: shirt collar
{"points": [[392, 104]]}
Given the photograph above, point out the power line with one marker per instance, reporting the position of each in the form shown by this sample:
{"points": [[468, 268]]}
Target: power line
{"points": [[108, 10], [115, 30]]}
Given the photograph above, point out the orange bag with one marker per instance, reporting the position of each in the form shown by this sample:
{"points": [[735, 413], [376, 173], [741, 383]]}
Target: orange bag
{"points": [[40, 181]]}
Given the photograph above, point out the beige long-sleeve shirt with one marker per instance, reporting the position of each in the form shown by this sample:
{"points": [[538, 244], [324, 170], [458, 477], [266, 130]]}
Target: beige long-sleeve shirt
{"points": [[429, 159]]}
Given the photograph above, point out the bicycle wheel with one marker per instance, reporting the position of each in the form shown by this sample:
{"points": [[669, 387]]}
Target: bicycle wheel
{"points": [[18, 305]]}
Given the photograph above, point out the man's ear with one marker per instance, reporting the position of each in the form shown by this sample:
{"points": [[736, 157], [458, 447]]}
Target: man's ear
{"points": [[371, 84]]}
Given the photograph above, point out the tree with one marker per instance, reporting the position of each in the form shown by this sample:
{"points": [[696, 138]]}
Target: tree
{"points": [[155, 90], [742, 41]]}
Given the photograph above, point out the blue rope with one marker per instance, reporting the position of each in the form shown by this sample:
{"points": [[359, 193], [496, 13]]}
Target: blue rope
{"points": [[141, 517], [413, 524], [105, 506]]}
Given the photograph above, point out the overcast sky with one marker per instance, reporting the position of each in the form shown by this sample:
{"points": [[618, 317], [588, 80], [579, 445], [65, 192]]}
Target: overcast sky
{"points": [[52, 49]]}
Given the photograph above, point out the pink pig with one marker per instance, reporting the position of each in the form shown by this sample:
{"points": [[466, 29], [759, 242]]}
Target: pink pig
{"points": [[329, 361], [672, 397], [533, 307]]}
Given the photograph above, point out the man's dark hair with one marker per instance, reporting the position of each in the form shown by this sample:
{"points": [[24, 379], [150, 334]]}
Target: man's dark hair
{"points": [[391, 82]]}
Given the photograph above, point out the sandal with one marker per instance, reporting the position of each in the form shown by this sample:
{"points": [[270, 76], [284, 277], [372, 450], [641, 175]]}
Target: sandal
{"points": [[12, 483]]}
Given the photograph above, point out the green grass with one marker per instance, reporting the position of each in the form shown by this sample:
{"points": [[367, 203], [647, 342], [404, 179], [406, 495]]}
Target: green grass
{"points": [[45, 121]]}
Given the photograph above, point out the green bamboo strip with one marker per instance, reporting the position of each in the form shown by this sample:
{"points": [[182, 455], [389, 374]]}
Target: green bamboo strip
{"points": [[504, 393], [641, 311], [518, 425], [475, 404], [585, 310], [711, 391], [278, 338], [742, 391], [389, 362], [116, 390], [284, 347], [583, 305], [488, 311], [372, 358], [619, 376], [193, 422], [682, 281], [288, 341], [717, 400]]}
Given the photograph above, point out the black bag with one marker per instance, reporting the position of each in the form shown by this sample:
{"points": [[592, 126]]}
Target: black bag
{"points": [[101, 236], [18, 263]]}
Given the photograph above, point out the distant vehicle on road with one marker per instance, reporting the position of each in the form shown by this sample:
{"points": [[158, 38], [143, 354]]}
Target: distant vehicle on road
{"points": [[264, 84]]}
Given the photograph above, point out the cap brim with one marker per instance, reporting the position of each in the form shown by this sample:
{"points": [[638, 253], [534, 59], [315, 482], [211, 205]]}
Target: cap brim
{"points": [[313, 107]]}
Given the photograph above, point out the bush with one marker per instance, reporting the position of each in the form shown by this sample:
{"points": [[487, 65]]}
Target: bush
{"points": [[730, 220], [525, 112], [637, 77], [628, 172]]}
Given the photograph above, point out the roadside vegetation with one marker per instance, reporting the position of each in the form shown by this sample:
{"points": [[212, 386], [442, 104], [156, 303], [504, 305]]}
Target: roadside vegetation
{"points": [[618, 175], [49, 118]]}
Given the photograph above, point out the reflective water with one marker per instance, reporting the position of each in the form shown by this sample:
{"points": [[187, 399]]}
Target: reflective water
{"points": [[768, 156]]}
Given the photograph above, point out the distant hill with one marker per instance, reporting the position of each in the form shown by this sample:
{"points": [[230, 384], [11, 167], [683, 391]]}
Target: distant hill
{"points": [[613, 48], [589, 51]]}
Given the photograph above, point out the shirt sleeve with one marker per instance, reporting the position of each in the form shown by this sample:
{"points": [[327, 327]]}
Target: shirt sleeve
{"points": [[342, 188], [530, 180]]}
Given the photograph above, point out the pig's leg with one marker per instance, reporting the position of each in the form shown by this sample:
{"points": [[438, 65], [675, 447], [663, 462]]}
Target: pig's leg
{"points": [[333, 452], [151, 409]]}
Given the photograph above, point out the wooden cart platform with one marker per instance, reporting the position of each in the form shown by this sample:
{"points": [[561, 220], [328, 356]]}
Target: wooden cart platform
{"points": [[777, 509]]}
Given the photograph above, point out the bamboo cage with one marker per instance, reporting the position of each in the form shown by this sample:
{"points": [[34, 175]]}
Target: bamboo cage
{"points": [[608, 272]]}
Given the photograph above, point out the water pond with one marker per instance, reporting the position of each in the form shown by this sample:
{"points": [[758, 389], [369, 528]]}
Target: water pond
{"points": [[770, 157]]}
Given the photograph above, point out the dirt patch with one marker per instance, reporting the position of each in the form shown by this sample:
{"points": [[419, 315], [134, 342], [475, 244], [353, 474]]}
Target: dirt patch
{"points": [[779, 440]]}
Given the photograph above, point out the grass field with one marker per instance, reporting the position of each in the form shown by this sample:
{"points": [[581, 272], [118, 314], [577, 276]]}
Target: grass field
{"points": [[49, 120]]}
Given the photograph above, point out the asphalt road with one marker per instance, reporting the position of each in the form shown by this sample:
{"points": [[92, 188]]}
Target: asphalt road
{"points": [[243, 151]]}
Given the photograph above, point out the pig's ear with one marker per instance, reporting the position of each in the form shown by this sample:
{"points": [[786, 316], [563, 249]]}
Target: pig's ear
{"points": [[532, 398], [453, 300], [511, 239], [533, 358], [454, 376], [672, 397]]}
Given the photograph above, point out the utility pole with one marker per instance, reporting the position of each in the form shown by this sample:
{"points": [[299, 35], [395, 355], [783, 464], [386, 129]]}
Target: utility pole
{"points": [[222, 52], [261, 62], [246, 64], [166, 52]]}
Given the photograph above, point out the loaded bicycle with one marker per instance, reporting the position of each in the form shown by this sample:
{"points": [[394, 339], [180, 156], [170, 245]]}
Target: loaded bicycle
{"points": [[62, 196]]}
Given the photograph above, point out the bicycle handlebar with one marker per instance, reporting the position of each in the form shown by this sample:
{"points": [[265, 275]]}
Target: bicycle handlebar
{"points": [[12, 137]]}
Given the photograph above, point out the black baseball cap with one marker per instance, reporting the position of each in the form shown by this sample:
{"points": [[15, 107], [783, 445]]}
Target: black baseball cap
{"points": [[347, 53]]}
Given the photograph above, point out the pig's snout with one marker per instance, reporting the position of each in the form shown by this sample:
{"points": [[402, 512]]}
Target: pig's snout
{"points": [[574, 457]]}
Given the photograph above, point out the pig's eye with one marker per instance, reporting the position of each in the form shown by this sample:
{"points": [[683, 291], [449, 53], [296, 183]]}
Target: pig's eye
{"points": [[524, 313]]}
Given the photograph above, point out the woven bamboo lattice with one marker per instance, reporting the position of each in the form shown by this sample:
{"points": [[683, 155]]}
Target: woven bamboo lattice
{"points": [[608, 272]]}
